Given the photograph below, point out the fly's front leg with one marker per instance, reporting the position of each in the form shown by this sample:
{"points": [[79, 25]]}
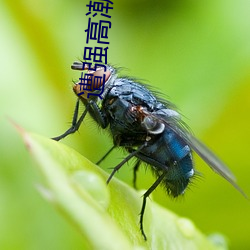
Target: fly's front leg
{"points": [[75, 124], [97, 114], [94, 111]]}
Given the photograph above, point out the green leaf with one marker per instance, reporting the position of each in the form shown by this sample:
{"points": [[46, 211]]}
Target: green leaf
{"points": [[106, 215]]}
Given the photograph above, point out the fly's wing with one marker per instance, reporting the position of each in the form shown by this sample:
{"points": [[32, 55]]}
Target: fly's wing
{"points": [[212, 160], [175, 124]]}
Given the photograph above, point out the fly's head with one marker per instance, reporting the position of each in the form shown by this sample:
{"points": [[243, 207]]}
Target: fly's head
{"points": [[96, 79]]}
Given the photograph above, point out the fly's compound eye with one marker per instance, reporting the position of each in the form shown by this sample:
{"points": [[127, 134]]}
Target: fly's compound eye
{"points": [[91, 81], [152, 125]]}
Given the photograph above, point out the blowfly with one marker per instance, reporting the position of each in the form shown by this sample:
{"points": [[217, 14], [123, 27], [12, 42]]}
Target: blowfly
{"points": [[148, 127]]}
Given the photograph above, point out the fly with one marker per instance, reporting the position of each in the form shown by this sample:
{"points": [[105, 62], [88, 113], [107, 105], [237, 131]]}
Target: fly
{"points": [[149, 128]]}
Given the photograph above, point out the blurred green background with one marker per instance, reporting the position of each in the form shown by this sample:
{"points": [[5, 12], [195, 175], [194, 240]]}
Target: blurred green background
{"points": [[196, 52]]}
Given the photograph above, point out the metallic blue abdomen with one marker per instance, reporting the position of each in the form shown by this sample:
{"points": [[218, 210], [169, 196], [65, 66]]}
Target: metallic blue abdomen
{"points": [[168, 153]]}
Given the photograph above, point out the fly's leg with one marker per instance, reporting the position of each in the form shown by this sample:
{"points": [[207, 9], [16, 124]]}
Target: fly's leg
{"points": [[95, 112], [75, 124], [145, 196], [125, 160], [136, 167], [105, 155]]}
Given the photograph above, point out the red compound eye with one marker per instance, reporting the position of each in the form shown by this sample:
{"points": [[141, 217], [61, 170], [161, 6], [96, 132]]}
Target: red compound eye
{"points": [[97, 80]]}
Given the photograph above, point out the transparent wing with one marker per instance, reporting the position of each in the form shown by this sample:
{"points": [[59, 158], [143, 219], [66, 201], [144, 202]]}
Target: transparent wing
{"points": [[208, 156], [175, 124]]}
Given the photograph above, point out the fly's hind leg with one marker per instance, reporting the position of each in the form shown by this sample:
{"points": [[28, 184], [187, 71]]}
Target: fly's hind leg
{"points": [[145, 196]]}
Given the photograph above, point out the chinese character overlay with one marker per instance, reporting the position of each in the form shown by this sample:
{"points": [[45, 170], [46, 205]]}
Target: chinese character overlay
{"points": [[99, 7], [97, 54], [98, 31], [92, 82]]}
